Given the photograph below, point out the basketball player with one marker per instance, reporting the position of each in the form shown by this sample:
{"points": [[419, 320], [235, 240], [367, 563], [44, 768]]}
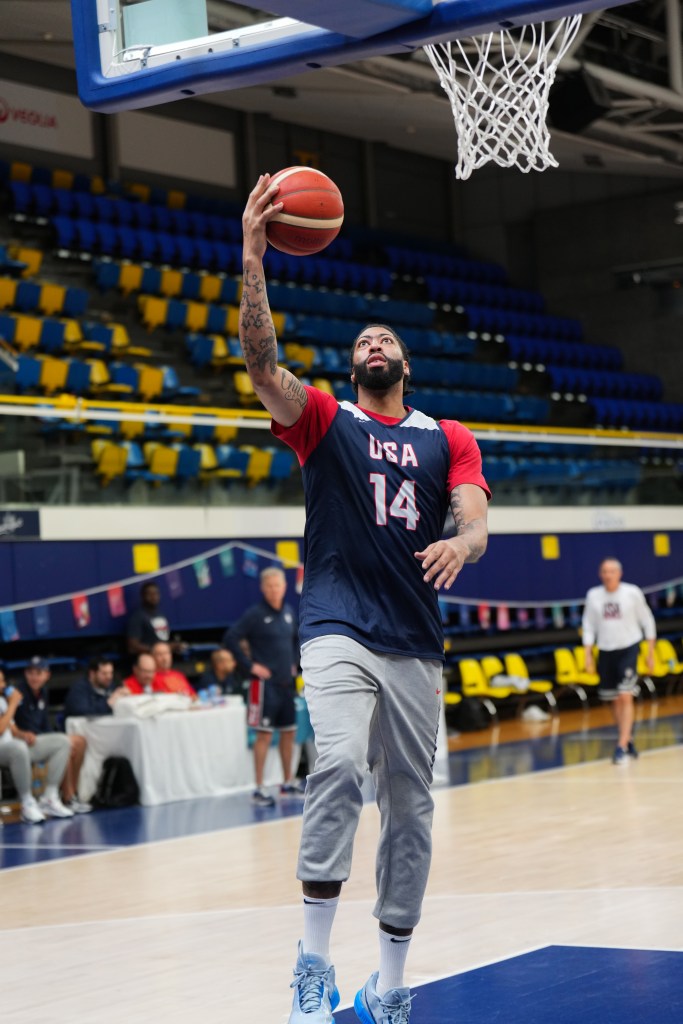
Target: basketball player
{"points": [[616, 617], [378, 479]]}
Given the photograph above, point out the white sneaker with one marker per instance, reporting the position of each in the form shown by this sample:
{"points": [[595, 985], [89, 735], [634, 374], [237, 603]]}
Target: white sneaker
{"points": [[78, 806], [52, 807], [31, 812]]}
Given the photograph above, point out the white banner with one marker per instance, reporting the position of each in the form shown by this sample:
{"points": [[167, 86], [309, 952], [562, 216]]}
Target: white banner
{"points": [[46, 120]]}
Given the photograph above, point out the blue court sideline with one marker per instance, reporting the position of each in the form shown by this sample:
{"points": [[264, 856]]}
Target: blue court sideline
{"points": [[557, 985]]}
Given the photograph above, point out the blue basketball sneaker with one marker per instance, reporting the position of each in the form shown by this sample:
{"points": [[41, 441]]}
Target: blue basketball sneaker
{"points": [[315, 993], [391, 1008]]}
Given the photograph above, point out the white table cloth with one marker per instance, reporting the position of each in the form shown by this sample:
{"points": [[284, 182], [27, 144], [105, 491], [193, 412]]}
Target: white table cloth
{"points": [[176, 755]]}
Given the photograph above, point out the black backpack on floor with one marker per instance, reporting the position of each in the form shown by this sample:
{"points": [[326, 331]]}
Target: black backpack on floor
{"points": [[117, 785]]}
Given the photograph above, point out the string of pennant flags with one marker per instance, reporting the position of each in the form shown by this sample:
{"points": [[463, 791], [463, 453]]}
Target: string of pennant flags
{"points": [[469, 611], [147, 567]]}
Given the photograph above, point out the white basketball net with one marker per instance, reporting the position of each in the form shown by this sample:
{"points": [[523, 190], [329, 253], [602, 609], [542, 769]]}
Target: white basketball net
{"points": [[499, 93]]}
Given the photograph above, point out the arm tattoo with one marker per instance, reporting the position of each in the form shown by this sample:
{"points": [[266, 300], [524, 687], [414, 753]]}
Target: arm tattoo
{"points": [[293, 390], [257, 332], [473, 531]]}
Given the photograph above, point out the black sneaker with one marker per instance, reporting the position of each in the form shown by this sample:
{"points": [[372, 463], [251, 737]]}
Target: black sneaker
{"points": [[296, 788], [619, 756], [631, 750], [261, 799]]}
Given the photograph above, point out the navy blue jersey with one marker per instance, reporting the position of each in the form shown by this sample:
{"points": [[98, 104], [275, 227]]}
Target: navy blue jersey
{"points": [[377, 490], [272, 638]]}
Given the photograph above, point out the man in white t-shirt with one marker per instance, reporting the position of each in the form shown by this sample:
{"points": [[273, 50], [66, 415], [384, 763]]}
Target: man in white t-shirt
{"points": [[616, 617]]}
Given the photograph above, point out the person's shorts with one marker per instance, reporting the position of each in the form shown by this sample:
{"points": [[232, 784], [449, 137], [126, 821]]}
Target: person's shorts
{"points": [[271, 706], [617, 671]]}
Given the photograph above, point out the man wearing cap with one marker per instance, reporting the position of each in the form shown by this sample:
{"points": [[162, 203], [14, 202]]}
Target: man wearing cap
{"points": [[31, 719]]}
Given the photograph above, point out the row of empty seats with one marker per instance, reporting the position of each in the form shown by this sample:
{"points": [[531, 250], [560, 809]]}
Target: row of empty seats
{"points": [[621, 413], [496, 681], [52, 374], [470, 406], [525, 349], [156, 462], [509, 321], [52, 335], [411, 259], [46, 201], [494, 296], [621, 474], [42, 297], [639, 386]]}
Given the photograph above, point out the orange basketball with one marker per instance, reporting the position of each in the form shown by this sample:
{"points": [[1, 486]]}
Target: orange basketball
{"points": [[312, 214]]}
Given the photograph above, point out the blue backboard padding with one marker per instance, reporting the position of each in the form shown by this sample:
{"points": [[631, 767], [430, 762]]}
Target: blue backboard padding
{"points": [[556, 985], [254, 65], [356, 18]]}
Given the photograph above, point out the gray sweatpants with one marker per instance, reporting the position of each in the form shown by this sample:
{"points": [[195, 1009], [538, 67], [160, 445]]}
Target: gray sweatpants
{"points": [[381, 711], [52, 747]]}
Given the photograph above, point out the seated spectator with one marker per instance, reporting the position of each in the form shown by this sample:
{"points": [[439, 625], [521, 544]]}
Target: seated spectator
{"points": [[167, 679], [147, 625], [142, 678], [19, 750], [222, 674], [96, 694]]}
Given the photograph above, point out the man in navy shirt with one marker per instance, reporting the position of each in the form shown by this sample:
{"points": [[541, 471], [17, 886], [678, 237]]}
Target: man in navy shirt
{"points": [[268, 630], [379, 478], [96, 694], [32, 719]]}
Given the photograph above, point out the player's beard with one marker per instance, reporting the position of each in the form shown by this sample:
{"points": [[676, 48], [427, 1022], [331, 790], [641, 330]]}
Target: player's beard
{"points": [[379, 378]]}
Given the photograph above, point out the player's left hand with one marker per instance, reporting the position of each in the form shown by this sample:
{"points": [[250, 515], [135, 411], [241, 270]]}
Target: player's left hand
{"points": [[442, 561], [650, 663]]}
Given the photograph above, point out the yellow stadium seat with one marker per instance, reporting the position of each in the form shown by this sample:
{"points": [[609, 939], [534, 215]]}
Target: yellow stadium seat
{"points": [[8, 292], [278, 323], [110, 460], [97, 185], [586, 678], [232, 324], [161, 459], [143, 192], [197, 315], [62, 179], [323, 384], [20, 171], [210, 287], [208, 465], [171, 283], [153, 311], [53, 374], [150, 381], [130, 278], [130, 429], [660, 670], [175, 199], [224, 433], [303, 354], [474, 684], [244, 388], [33, 258], [516, 666], [51, 299], [28, 331], [260, 461]]}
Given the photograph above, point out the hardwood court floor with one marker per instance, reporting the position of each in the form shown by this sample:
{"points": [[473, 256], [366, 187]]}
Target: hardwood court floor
{"points": [[204, 926]]}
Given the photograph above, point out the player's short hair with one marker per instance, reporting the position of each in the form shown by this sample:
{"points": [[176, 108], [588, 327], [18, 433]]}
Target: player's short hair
{"points": [[608, 559], [407, 389]]}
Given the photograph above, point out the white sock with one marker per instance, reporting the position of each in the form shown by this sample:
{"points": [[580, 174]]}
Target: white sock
{"points": [[51, 793], [393, 950], [318, 919]]}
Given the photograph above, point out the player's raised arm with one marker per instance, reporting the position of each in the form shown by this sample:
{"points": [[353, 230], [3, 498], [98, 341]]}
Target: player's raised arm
{"points": [[279, 390]]}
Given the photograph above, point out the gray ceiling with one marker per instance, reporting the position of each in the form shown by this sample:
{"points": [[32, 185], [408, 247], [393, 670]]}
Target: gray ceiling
{"points": [[632, 53]]}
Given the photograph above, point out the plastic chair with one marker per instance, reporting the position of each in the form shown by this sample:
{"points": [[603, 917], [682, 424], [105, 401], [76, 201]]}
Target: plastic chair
{"points": [[666, 655], [516, 666]]}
